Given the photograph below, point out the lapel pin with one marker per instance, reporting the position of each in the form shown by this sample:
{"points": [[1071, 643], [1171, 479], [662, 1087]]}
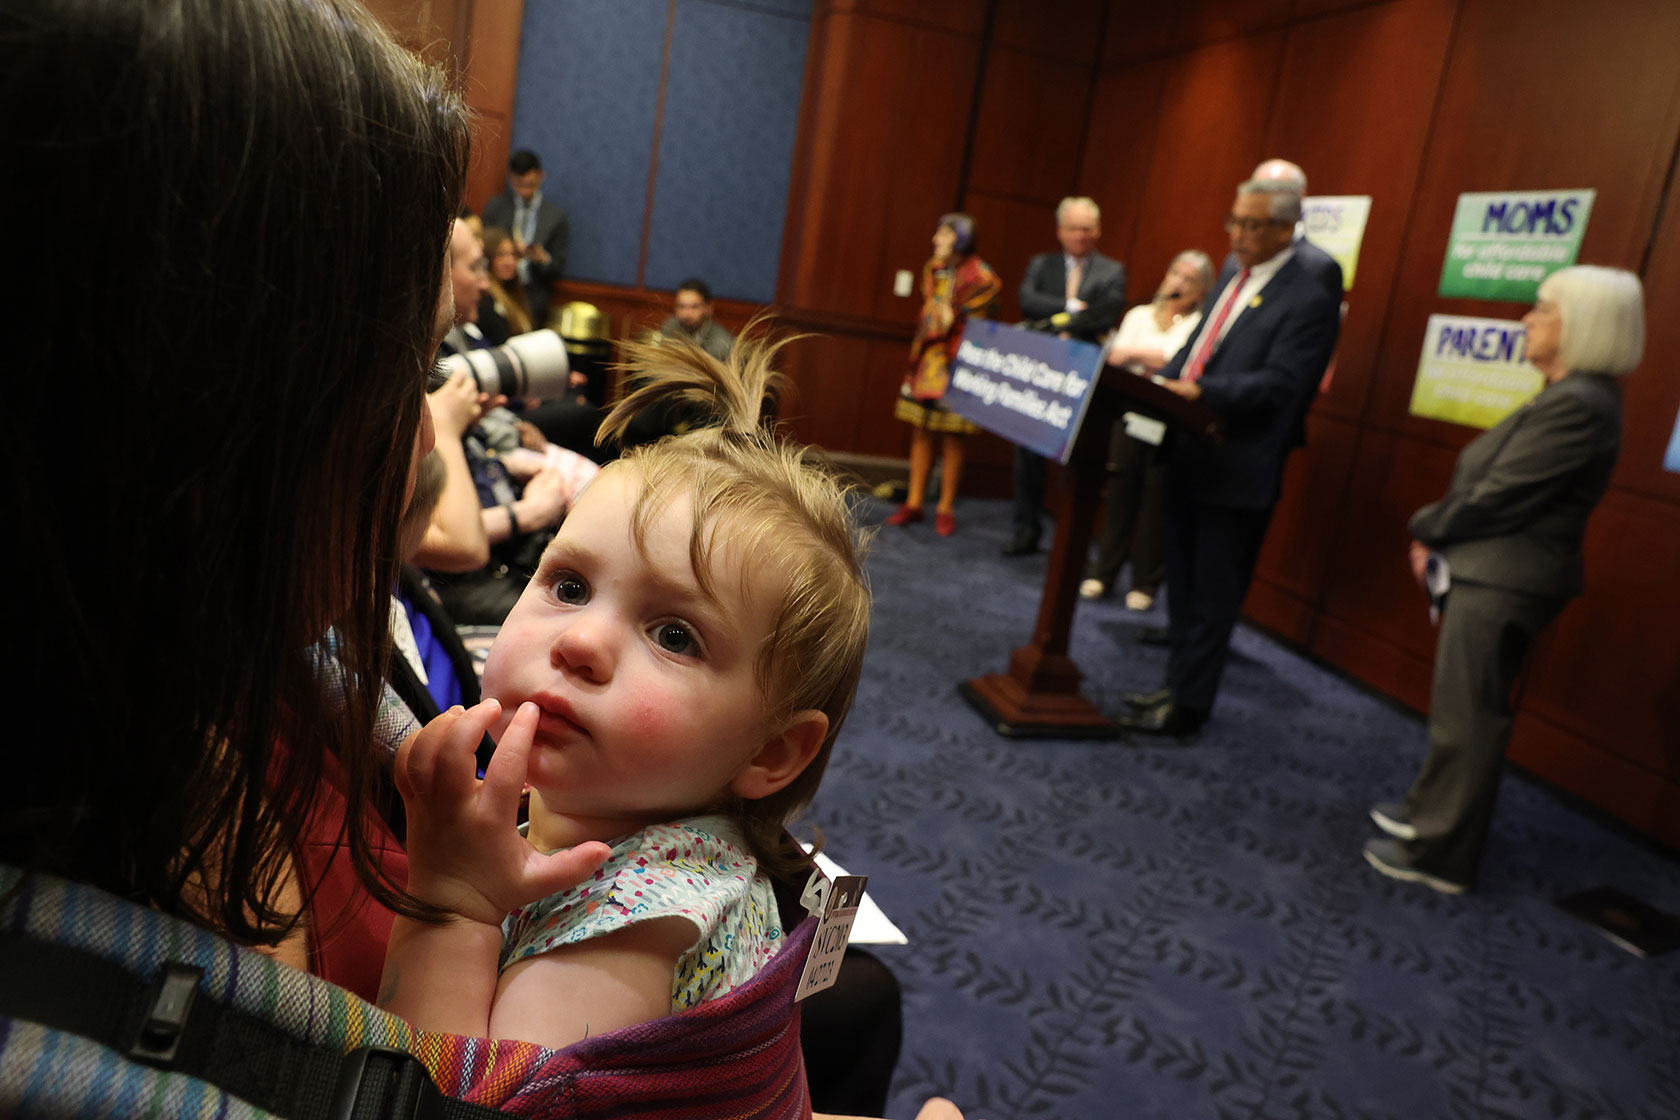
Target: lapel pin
{"points": [[1255, 302]]}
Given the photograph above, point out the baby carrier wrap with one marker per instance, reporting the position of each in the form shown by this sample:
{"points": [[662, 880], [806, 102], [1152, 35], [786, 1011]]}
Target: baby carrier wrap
{"points": [[111, 1009]]}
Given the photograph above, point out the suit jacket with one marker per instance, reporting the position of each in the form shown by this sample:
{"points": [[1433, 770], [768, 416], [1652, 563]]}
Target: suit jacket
{"points": [[554, 232], [1317, 263], [1517, 508], [1103, 288], [1260, 381]]}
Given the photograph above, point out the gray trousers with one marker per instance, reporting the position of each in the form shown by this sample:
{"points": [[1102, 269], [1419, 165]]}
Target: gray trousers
{"points": [[1485, 637]]}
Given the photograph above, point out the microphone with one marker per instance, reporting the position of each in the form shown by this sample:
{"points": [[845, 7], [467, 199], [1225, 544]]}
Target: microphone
{"points": [[1050, 323]]}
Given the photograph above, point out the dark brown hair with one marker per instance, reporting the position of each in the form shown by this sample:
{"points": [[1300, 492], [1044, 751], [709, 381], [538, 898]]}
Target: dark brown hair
{"points": [[262, 193]]}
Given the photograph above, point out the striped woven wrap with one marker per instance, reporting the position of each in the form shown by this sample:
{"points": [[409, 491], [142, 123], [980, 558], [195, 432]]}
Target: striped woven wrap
{"points": [[737, 1056]]}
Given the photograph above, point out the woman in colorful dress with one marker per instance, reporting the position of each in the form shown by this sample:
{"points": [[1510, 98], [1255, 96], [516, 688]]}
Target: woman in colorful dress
{"points": [[955, 285]]}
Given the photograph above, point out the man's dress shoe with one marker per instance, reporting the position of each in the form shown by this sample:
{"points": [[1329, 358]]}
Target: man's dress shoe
{"points": [[1021, 544], [1142, 700], [1165, 718]]}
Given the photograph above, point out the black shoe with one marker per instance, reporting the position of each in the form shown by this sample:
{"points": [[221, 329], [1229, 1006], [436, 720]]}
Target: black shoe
{"points": [[1022, 543], [1392, 818], [1389, 857], [1164, 719], [1154, 636], [1142, 700]]}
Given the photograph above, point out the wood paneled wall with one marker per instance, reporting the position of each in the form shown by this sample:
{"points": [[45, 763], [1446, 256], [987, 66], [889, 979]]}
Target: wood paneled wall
{"points": [[479, 42], [1413, 102]]}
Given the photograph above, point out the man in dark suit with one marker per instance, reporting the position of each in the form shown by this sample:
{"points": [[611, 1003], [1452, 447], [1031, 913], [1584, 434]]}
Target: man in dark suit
{"points": [[1255, 360], [1076, 293], [1318, 264], [539, 227]]}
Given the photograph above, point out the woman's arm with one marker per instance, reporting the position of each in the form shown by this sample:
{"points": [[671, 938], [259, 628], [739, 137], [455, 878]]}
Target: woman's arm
{"points": [[454, 540], [1556, 438]]}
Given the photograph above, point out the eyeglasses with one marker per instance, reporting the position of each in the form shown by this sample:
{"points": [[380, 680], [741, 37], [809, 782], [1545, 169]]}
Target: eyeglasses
{"points": [[1249, 225]]}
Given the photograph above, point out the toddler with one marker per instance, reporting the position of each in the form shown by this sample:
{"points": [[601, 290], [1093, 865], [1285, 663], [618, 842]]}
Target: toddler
{"points": [[669, 685]]}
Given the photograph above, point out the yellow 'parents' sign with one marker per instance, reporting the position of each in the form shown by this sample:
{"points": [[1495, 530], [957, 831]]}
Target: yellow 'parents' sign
{"points": [[1473, 371]]}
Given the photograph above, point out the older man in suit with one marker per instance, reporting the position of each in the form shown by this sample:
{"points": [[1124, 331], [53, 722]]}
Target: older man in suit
{"points": [[1076, 293], [1255, 361], [540, 228], [1319, 264]]}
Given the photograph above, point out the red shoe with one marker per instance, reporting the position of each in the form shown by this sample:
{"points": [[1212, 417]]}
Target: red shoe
{"points": [[944, 523], [904, 515]]}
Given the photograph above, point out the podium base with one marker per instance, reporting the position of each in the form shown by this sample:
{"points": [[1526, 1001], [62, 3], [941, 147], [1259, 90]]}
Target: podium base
{"points": [[1018, 714]]}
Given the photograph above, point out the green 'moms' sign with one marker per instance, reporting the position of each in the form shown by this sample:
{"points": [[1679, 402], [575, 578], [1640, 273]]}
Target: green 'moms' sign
{"points": [[1503, 244]]}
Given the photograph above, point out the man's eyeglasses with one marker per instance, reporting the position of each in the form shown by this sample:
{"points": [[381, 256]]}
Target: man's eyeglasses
{"points": [[1249, 225]]}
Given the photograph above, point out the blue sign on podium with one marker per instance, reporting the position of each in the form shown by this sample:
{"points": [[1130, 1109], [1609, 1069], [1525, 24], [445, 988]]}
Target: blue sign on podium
{"points": [[1029, 387]]}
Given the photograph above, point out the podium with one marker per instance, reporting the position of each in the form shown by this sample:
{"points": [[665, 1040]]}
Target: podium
{"points": [[1038, 697]]}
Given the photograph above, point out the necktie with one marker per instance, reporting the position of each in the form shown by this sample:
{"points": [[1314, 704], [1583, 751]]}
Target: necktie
{"points": [[1075, 277], [1199, 360]]}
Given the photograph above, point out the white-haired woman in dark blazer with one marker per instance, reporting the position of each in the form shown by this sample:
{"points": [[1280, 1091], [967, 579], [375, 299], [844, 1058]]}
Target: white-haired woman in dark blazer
{"points": [[1509, 532]]}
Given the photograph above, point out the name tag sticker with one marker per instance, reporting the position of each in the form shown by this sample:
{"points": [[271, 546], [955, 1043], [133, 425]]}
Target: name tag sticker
{"points": [[822, 967], [1144, 429]]}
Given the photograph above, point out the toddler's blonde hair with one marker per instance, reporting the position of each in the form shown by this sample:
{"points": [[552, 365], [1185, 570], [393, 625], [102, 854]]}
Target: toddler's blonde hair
{"points": [[788, 511]]}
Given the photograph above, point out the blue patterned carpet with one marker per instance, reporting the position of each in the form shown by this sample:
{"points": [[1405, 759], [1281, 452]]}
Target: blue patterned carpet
{"points": [[1100, 930]]}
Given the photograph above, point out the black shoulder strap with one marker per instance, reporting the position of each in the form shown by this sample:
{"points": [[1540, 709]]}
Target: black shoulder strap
{"points": [[167, 1023]]}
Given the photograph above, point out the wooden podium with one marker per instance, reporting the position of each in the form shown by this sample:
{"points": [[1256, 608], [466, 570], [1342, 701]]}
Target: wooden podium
{"points": [[1039, 696]]}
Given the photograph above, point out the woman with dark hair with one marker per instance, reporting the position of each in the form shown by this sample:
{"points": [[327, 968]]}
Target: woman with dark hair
{"points": [[267, 313], [955, 285], [503, 311]]}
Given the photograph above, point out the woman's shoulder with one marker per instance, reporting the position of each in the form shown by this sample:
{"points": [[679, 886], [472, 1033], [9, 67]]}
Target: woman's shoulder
{"points": [[1578, 398], [1599, 390]]}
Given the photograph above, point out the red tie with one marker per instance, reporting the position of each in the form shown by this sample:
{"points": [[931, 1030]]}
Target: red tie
{"points": [[1199, 360]]}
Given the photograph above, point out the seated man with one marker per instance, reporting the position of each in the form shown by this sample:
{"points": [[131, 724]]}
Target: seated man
{"points": [[693, 320]]}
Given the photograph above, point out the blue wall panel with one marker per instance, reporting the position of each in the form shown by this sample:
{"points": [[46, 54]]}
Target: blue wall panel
{"points": [[588, 87], [726, 145]]}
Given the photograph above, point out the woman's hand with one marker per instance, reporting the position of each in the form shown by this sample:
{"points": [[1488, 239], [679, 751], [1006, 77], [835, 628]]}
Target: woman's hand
{"points": [[464, 848], [1418, 555], [456, 404]]}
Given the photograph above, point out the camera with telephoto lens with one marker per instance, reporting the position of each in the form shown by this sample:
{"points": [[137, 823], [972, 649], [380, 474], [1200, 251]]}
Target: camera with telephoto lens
{"points": [[528, 365]]}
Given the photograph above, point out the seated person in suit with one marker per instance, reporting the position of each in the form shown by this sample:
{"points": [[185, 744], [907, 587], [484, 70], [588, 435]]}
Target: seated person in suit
{"points": [[692, 318], [540, 229]]}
